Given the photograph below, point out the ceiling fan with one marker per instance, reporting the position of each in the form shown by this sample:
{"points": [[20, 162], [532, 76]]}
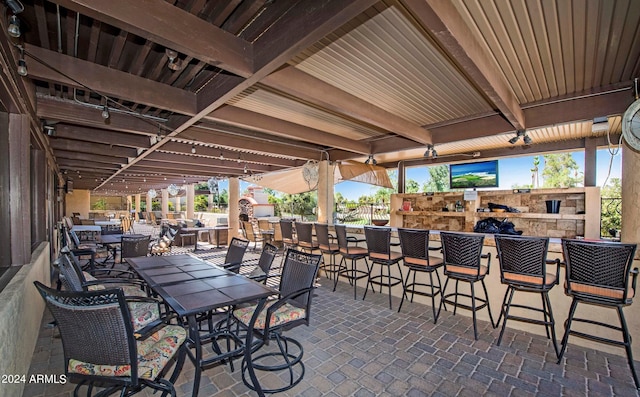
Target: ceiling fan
{"points": [[631, 121]]}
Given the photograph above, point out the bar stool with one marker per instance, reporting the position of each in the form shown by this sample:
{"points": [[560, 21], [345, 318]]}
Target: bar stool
{"points": [[415, 251], [304, 232], [327, 248], [461, 253], [353, 254], [598, 274], [379, 249], [288, 240], [523, 267]]}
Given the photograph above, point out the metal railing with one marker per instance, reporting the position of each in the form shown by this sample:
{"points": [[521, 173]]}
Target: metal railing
{"points": [[610, 216], [361, 214]]}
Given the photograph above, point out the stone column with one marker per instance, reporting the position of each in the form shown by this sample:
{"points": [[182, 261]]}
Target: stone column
{"points": [[325, 192], [165, 202], [190, 189], [178, 204], [630, 192], [138, 205], [129, 204], [234, 210]]}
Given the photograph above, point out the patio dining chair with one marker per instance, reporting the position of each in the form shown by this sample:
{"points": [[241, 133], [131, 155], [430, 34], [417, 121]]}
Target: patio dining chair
{"points": [[292, 308], [101, 348], [132, 246], [598, 274], [251, 234]]}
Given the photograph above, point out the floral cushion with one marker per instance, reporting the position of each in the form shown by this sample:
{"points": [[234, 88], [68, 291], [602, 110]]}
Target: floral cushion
{"points": [[286, 313], [153, 354]]}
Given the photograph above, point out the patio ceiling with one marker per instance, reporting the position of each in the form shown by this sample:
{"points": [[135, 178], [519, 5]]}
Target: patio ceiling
{"points": [[269, 85]]}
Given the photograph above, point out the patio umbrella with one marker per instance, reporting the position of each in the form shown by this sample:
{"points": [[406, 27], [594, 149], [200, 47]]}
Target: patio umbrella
{"points": [[293, 181]]}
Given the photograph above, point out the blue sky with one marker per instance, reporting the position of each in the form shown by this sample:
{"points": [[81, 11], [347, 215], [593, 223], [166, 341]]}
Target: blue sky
{"points": [[513, 171]]}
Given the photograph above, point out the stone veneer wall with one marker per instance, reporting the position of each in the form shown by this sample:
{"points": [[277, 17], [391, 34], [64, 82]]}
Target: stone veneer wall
{"points": [[20, 318]]}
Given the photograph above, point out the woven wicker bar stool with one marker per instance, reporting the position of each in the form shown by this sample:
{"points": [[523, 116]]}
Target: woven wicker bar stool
{"points": [[462, 253], [523, 267], [288, 239], [379, 247], [598, 274], [415, 252], [353, 254], [327, 248]]}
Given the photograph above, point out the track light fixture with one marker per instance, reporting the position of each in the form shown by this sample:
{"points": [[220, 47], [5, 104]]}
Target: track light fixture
{"points": [[431, 152], [371, 160], [105, 112], [175, 63], [22, 64], [49, 130], [525, 138], [193, 149], [14, 26]]}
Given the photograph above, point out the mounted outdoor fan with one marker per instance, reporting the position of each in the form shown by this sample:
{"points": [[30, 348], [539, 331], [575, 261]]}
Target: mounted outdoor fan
{"points": [[631, 121]]}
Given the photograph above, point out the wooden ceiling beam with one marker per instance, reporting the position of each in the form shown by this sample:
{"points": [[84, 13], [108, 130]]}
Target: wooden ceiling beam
{"points": [[253, 141], [198, 161], [54, 67], [76, 164], [95, 148], [90, 158], [292, 81], [101, 136], [444, 22], [176, 169], [163, 23], [271, 125], [55, 109]]}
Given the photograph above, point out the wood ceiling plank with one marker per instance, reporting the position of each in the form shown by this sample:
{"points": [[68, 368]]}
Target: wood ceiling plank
{"points": [[69, 163], [271, 125], [250, 141], [101, 136], [197, 161], [107, 81], [449, 29], [89, 158], [215, 153], [308, 88], [116, 49], [95, 148], [185, 169], [172, 27]]}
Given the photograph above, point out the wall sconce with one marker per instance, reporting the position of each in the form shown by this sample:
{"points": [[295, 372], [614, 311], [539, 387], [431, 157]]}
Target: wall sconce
{"points": [[371, 160], [525, 138], [175, 63], [431, 152]]}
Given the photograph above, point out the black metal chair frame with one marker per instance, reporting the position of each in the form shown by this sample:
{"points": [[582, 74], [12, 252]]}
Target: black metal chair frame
{"points": [[288, 239], [353, 254], [379, 247], [415, 251], [299, 273], [235, 254], [463, 251], [106, 336], [133, 246], [598, 267], [523, 267]]}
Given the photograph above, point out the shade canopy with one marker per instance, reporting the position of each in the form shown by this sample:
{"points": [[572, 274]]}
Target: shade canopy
{"points": [[293, 181]]}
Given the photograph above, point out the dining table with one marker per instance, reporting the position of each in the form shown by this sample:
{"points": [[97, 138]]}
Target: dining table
{"points": [[199, 229], [192, 288]]}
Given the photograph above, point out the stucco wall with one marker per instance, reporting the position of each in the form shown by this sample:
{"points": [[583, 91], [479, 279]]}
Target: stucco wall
{"points": [[21, 311], [78, 201]]}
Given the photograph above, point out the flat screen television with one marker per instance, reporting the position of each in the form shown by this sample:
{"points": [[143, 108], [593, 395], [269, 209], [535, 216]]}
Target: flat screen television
{"points": [[473, 175]]}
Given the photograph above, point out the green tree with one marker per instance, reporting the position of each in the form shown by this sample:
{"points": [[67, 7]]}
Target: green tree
{"points": [[560, 170], [339, 199], [411, 186], [611, 220], [100, 204], [201, 203], [302, 204], [438, 179]]}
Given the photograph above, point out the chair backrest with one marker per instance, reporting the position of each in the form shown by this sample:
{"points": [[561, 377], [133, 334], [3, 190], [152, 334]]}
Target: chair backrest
{"points": [[236, 250], [277, 232], [73, 239], [95, 327], [341, 236], [133, 246], [322, 235], [522, 255], [70, 277], [286, 227], [76, 220], [597, 266], [263, 224], [88, 222], [267, 256], [462, 249], [378, 240], [299, 271], [304, 232], [414, 243], [249, 231], [126, 224]]}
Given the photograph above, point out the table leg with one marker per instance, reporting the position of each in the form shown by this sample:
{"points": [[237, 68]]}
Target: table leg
{"points": [[197, 345], [248, 345]]}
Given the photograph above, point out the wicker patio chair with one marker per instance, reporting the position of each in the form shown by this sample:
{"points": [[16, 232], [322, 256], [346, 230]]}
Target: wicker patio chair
{"points": [[292, 308], [134, 246], [353, 254], [251, 234], [598, 274], [462, 253], [235, 254], [379, 248], [101, 348], [415, 252], [523, 267], [263, 268]]}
